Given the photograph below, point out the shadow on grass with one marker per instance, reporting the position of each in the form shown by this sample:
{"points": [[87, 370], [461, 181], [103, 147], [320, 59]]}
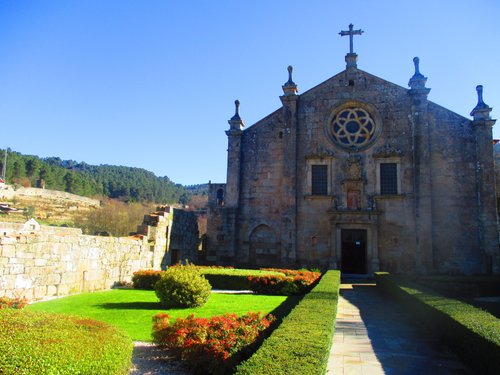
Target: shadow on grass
{"points": [[131, 306], [284, 309]]}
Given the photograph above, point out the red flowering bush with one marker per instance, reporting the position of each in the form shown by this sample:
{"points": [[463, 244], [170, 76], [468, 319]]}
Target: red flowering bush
{"points": [[294, 282], [145, 279], [212, 345], [12, 303]]}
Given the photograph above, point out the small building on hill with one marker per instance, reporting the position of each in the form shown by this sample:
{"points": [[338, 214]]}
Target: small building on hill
{"points": [[361, 175]]}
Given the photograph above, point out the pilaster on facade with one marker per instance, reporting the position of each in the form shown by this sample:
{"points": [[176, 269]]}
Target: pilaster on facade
{"points": [[232, 198], [234, 158], [290, 101], [482, 125], [422, 171]]}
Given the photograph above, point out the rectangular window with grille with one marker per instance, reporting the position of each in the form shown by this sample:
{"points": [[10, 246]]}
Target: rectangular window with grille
{"points": [[319, 180], [388, 179]]}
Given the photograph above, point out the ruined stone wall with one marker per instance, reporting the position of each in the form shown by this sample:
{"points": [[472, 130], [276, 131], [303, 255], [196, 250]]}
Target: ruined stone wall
{"points": [[7, 228], [39, 262], [184, 237], [41, 265], [172, 234]]}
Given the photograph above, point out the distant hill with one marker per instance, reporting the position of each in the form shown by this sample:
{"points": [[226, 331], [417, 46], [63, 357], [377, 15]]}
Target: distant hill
{"points": [[118, 182], [200, 189]]}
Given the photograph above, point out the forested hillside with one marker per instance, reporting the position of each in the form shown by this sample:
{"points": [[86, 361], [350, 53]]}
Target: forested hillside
{"points": [[124, 183]]}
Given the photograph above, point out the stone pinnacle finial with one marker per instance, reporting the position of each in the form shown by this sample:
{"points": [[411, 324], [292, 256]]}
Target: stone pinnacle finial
{"points": [[236, 111], [290, 88], [480, 102], [417, 82], [416, 62], [236, 123], [481, 111], [290, 71]]}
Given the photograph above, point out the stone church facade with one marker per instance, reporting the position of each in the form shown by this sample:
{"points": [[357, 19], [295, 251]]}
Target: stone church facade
{"points": [[362, 175]]}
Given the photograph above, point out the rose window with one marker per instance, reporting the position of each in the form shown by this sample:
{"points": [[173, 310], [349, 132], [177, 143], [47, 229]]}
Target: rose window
{"points": [[352, 127]]}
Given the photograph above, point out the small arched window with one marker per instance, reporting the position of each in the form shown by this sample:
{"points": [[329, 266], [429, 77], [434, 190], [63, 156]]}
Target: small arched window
{"points": [[220, 197]]}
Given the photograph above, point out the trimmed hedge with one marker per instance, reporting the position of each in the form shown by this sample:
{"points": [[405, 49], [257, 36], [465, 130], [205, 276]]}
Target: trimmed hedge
{"points": [[43, 343], [218, 277], [301, 344], [472, 333], [146, 279], [231, 278], [295, 282]]}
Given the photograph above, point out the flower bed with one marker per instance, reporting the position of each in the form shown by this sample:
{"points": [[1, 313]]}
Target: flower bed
{"points": [[12, 303], [291, 282], [212, 345]]}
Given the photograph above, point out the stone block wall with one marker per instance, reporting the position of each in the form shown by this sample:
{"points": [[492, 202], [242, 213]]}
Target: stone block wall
{"points": [[184, 237], [41, 265], [39, 262]]}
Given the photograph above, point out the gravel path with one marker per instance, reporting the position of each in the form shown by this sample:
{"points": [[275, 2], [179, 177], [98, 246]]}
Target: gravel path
{"points": [[147, 359]]}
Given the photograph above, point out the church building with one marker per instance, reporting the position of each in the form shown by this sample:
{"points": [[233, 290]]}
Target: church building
{"points": [[359, 174]]}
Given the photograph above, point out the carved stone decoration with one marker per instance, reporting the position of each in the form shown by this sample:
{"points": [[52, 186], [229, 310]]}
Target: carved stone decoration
{"points": [[320, 152], [353, 125], [354, 168], [387, 151]]}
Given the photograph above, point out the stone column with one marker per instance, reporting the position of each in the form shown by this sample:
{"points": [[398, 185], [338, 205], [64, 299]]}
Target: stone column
{"points": [[232, 197], [486, 192], [422, 171], [290, 101]]}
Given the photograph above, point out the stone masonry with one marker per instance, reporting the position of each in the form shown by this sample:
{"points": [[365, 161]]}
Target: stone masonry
{"points": [[38, 262], [359, 174]]}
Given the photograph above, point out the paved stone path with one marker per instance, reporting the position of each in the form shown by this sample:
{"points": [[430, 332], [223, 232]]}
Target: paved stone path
{"points": [[373, 335]]}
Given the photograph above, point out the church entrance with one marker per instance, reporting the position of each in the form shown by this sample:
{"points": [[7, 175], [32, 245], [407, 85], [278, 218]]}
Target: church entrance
{"points": [[353, 246]]}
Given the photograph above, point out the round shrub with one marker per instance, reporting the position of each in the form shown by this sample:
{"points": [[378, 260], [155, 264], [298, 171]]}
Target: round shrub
{"points": [[45, 343], [182, 286]]}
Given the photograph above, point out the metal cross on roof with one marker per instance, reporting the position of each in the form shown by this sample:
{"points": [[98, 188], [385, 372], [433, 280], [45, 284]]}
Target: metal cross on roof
{"points": [[351, 34]]}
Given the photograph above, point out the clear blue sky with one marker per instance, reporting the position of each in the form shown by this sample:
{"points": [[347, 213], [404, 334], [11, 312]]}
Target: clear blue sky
{"points": [[151, 84]]}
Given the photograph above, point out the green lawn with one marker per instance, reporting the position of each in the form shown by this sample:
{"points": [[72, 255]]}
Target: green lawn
{"points": [[132, 309]]}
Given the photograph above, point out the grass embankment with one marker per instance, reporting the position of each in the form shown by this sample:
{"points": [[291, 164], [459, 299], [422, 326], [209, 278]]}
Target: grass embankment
{"points": [[302, 342], [132, 310], [472, 333]]}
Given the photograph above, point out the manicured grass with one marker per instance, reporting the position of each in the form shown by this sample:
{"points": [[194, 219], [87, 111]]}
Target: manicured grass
{"points": [[132, 310]]}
